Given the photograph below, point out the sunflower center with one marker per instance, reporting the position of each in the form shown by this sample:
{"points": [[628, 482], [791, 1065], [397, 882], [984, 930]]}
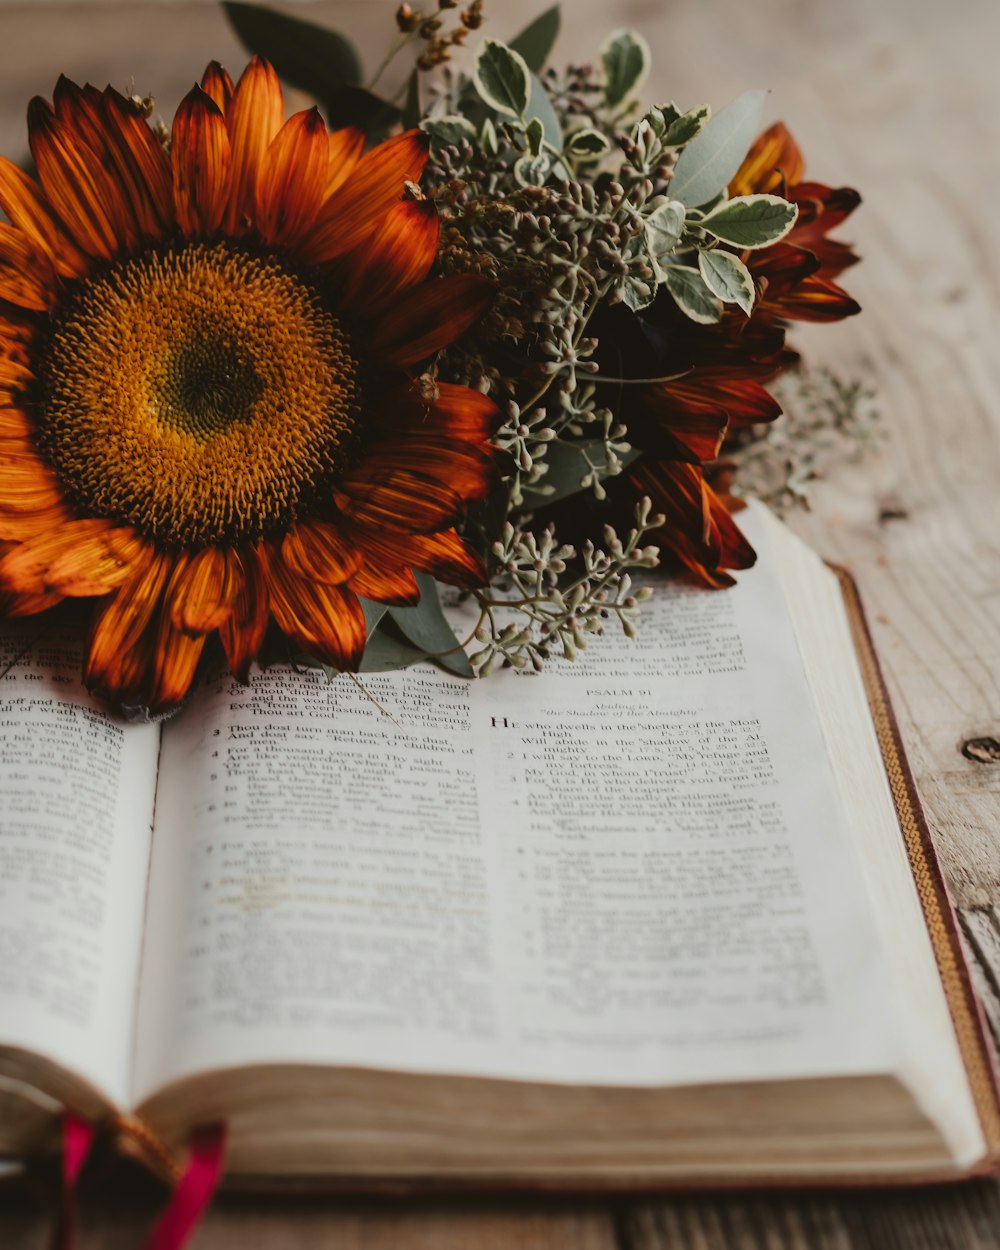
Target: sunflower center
{"points": [[202, 393]]}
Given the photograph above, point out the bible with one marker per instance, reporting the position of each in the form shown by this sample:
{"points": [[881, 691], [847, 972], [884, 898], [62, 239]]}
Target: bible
{"points": [[667, 915]]}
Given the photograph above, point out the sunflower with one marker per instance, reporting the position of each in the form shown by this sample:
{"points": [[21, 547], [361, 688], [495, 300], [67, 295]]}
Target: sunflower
{"points": [[718, 371], [209, 417]]}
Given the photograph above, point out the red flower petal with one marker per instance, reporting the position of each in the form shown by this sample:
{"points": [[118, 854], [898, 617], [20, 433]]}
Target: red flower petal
{"points": [[429, 317], [201, 160], [24, 203], [376, 182], [215, 82], [291, 188], [242, 632], [254, 118], [325, 621], [320, 551], [398, 255]]}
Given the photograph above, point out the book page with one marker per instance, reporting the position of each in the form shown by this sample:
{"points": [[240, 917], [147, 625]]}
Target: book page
{"points": [[76, 806], [629, 870]]}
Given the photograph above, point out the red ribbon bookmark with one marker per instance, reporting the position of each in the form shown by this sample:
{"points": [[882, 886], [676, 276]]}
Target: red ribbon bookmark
{"points": [[198, 1182], [77, 1139]]}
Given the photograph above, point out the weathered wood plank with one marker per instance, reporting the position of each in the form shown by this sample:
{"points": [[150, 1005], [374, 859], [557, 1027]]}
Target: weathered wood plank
{"points": [[981, 931]]}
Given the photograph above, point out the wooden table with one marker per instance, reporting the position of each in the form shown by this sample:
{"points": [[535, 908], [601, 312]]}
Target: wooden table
{"points": [[901, 99]]}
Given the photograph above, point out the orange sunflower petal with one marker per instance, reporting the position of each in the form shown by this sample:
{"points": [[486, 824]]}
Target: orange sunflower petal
{"points": [[15, 424], [142, 164], [201, 158], [215, 82], [386, 581], [345, 148], [774, 160], [291, 188], [24, 203], [175, 656], [242, 632], [378, 180], [430, 317], [14, 374], [75, 180], [203, 590], [325, 621], [19, 524], [119, 657], [398, 255], [400, 499], [320, 551], [254, 118], [26, 483], [27, 277], [444, 555], [80, 558]]}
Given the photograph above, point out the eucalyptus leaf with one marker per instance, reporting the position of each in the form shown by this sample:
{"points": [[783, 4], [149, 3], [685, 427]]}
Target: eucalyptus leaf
{"points": [[386, 653], [710, 160], [626, 60], [531, 171], [727, 277], [536, 41], [568, 464], [637, 293], [310, 57], [488, 137], [373, 613], [502, 78], [427, 629], [586, 143], [449, 131], [664, 227], [751, 221], [682, 130], [535, 133], [692, 295]]}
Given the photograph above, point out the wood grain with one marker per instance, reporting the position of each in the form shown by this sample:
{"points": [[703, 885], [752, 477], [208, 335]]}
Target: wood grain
{"points": [[902, 100]]}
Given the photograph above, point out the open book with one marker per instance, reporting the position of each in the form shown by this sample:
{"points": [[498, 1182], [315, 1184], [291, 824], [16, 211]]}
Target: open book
{"points": [[658, 917]]}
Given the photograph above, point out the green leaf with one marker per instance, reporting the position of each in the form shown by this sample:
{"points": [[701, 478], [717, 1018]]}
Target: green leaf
{"points": [[373, 613], [535, 133], [531, 171], [692, 296], [626, 59], [310, 57], [449, 131], [426, 627], [710, 160], [664, 227], [638, 293], [385, 653], [535, 42], [540, 107], [727, 277], [586, 143], [411, 105], [357, 106], [502, 78], [681, 131], [567, 464], [751, 221]]}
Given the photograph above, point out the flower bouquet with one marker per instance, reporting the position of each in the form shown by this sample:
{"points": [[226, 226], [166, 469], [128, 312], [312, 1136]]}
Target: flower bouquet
{"points": [[268, 382]]}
